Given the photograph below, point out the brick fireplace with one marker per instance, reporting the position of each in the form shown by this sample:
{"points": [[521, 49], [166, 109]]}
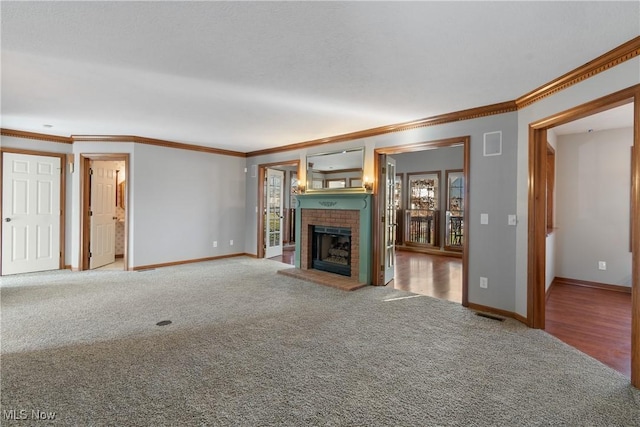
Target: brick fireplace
{"points": [[335, 211]]}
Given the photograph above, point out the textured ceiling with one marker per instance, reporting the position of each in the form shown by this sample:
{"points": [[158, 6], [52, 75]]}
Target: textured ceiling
{"points": [[253, 75]]}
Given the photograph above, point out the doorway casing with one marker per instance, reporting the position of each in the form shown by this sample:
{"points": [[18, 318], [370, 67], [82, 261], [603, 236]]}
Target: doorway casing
{"points": [[63, 187], [262, 173], [85, 198], [537, 212], [378, 232]]}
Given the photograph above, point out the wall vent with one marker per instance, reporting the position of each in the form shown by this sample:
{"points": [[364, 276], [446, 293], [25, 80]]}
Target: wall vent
{"points": [[493, 143]]}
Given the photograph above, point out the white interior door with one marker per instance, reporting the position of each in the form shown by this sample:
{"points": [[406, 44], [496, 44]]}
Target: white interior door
{"points": [[390, 224], [103, 214], [274, 217], [31, 213]]}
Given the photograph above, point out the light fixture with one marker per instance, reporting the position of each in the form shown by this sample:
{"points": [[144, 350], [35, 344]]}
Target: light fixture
{"points": [[367, 184]]}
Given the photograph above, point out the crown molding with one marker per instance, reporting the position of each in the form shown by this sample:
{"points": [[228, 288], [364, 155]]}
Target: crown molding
{"points": [[36, 136], [620, 54], [472, 113], [156, 142]]}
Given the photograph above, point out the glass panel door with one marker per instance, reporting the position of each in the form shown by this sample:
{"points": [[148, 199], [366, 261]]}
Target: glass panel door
{"points": [[454, 235]]}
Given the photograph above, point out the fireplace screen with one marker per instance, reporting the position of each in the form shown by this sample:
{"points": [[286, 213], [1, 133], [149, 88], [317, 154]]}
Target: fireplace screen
{"points": [[332, 249]]}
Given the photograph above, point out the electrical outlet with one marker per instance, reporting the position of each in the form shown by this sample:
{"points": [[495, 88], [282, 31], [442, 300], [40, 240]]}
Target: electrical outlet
{"points": [[215, 244], [230, 242], [484, 282], [602, 265]]}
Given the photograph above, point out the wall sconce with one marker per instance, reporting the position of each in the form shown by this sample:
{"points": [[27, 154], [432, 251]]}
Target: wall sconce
{"points": [[368, 185], [299, 189]]}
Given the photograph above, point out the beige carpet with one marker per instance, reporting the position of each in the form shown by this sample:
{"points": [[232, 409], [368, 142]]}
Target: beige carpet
{"points": [[249, 347]]}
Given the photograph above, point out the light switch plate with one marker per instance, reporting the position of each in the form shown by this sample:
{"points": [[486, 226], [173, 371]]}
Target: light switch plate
{"points": [[484, 219], [512, 220]]}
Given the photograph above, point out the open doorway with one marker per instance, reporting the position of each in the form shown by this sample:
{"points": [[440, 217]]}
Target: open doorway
{"points": [[277, 187], [588, 256], [420, 244], [105, 211], [538, 211]]}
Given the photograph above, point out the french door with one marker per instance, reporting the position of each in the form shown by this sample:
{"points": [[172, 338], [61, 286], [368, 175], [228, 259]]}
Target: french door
{"points": [[273, 212], [389, 216]]}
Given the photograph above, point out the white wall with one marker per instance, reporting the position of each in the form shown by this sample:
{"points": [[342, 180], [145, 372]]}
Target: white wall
{"points": [[183, 201], [179, 201], [612, 80], [593, 206]]}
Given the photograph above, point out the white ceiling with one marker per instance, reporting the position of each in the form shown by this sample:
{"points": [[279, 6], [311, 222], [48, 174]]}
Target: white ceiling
{"points": [[615, 118], [253, 75]]}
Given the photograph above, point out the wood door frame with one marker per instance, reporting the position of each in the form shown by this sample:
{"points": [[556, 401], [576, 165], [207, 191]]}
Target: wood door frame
{"points": [[537, 211], [262, 173], [85, 192], [63, 193], [377, 230]]}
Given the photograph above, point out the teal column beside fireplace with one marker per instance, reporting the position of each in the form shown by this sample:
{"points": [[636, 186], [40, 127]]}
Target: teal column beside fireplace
{"points": [[347, 201]]}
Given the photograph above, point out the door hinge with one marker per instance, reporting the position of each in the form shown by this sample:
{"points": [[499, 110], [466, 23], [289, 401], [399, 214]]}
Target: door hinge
{"points": [[90, 254], [90, 213], [382, 267], [384, 170], [90, 171]]}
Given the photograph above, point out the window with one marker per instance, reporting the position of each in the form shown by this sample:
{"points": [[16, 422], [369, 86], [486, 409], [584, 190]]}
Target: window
{"points": [[423, 203]]}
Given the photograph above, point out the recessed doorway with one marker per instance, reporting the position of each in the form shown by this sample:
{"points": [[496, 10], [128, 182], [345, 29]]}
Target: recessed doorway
{"points": [[105, 211], [421, 229]]}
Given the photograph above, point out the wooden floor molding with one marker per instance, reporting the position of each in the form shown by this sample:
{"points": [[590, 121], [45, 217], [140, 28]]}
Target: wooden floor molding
{"points": [[504, 313], [586, 283], [188, 261]]}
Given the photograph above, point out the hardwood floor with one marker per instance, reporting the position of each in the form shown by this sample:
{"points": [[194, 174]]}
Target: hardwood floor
{"points": [[594, 321], [433, 275]]}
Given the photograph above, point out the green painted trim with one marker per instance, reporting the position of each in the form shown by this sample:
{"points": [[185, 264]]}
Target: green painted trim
{"points": [[348, 201]]}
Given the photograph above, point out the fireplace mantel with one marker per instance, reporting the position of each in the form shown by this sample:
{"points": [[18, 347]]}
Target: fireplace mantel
{"points": [[360, 202]]}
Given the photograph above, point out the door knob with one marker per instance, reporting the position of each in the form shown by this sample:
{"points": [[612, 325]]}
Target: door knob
{"points": [[7, 220]]}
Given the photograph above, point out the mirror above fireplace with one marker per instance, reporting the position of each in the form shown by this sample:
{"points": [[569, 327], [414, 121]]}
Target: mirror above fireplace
{"points": [[336, 171]]}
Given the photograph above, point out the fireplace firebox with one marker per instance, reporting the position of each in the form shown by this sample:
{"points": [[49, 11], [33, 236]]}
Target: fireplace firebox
{"points": [[331, 250]]}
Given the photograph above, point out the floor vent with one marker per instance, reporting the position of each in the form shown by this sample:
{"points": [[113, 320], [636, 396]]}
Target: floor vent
{"points": [[490, 316], [163, 323]]}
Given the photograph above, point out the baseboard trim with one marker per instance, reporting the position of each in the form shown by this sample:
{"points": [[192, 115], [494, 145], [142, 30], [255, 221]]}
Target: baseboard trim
{"points": [[588, 284], [188, 261], [429, 251], [551, 286], [492, 310], [119, 256], [250, 255]]}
